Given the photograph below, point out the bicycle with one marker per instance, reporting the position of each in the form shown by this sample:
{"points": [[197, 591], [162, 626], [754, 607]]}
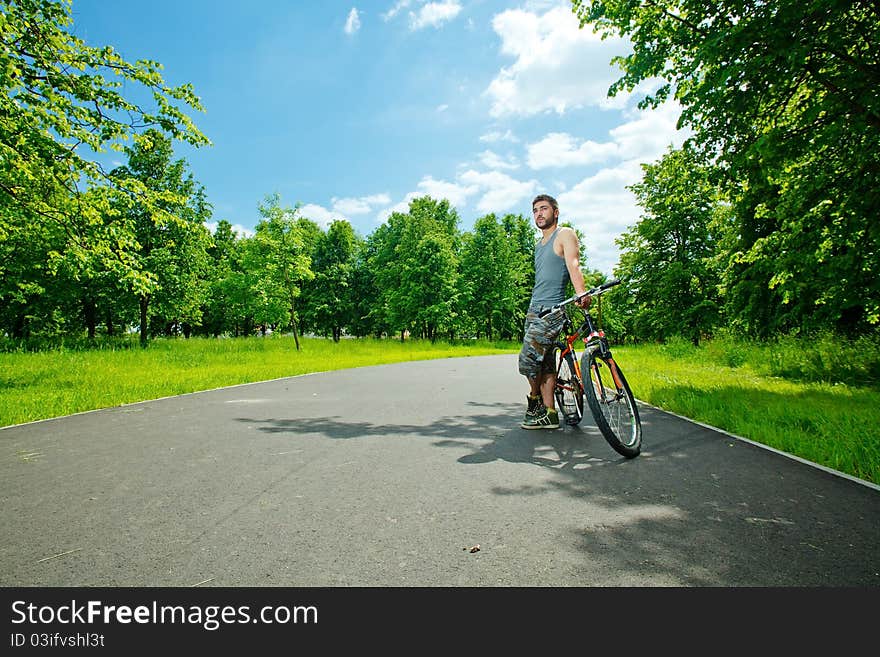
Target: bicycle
{"points": [[609, 396]]}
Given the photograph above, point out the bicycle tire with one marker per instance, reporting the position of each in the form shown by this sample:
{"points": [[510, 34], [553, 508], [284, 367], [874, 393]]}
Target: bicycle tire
{"points": [[569, 390], [614, 408]]}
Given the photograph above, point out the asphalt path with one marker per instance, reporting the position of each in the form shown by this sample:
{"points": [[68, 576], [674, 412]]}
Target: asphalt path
{"points": [[413, 474]]}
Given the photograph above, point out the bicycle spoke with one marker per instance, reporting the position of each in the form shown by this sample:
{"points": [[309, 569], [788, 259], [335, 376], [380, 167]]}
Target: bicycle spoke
{"points": [[569, 392], [613, 406]]}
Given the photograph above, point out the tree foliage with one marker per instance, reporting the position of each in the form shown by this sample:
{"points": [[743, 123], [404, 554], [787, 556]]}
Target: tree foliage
{"points": [[765, 221], [784, 98], [667, 258], [280, 264], [171, 238], [328, 300], [61, 104]]}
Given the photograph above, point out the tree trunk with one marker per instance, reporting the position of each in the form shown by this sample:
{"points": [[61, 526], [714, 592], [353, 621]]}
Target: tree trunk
{"points": [[295, 333], [20, 327], [293, 322], [90, 313], [144, 304]]}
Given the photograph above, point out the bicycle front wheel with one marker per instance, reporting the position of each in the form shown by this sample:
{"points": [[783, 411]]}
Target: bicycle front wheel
{"points": [[569, 389], [612, 403]]}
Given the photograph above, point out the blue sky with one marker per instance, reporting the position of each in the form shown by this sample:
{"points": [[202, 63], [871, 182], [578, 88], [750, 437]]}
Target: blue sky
{"points": [[351, 109]]}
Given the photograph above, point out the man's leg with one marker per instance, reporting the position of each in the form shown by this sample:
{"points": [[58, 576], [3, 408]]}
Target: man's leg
{"points": [[534, 402], [537, 363], [547, 387], [541, 413]]}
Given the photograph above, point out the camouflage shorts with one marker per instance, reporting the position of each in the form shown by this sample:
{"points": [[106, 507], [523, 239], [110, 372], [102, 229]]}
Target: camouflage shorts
{"points": [[538, 353]]}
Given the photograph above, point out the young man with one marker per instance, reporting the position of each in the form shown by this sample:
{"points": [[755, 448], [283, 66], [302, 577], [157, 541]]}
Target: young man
{"points": [[557, 261]]}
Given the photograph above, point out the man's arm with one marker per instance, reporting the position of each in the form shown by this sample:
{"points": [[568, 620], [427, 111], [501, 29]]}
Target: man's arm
{"points": [[571, 253]]}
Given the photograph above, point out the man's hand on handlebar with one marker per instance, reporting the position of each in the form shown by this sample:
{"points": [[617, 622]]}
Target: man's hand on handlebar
{"points": [[584, 302]]}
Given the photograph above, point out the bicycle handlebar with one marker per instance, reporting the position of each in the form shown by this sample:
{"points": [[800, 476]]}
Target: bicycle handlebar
{"points": [[593, 292]]}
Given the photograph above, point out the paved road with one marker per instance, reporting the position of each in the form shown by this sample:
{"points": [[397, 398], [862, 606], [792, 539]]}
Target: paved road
{"points": [[387, 476]]}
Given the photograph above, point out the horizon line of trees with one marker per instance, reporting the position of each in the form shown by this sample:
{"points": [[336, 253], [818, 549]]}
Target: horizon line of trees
{"points": [[765, 222]]}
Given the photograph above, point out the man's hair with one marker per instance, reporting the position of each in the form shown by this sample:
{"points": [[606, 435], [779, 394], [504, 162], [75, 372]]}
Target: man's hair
{"points": [[548, 198]]}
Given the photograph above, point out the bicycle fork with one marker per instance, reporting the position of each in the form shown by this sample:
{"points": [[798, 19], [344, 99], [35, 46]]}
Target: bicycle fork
{"points": [[604, 351]]}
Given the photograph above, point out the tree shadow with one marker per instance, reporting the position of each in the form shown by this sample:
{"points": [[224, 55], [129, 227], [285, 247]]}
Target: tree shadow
{"points": [[493, 434], [697, 508]]}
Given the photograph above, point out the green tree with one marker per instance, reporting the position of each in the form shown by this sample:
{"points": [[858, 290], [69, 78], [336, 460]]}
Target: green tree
{"points": [[785, 96], [25, 275], [328, 297], [62, 103], [521, 234], [280, 263], [667, 258], [170, 233], [368, 302], [489, 271], [415, 265], [219, 309]]}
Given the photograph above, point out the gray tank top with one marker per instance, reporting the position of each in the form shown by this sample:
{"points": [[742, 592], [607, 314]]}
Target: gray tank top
{"points": [[551, 275]]}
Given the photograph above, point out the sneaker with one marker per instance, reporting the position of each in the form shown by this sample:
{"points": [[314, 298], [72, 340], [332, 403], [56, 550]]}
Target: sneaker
{"points": [[536, 405], [548, 419]]}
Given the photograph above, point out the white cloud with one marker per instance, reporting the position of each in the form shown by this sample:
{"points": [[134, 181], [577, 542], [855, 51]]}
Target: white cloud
{"points": [[319, 214], [648, 133], [557, 67], [434, 14], [353, 22], [600, 205], [396, 9], [559, 149], [497, 135], [603, 209], [644, 137], [495, 191], [360, 205], [491, 160], [442, 108], [343, 208], [455, 193], [500, 192], [402, 206]]}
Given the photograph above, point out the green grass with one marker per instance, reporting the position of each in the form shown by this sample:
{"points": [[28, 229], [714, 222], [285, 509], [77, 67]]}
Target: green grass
{"points": [[817, 399], [772, 393], [45, 384]]}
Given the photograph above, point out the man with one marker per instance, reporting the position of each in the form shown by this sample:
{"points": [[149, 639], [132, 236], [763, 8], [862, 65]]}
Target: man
{"points": [[557, 261]]}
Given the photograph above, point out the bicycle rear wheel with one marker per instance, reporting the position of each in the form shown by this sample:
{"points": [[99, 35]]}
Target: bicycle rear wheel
{"points": [[613, 405], [569, 390]]}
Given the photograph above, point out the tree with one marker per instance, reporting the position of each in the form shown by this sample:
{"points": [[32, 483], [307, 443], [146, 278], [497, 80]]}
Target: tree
{"points": [[218, 311], [784, 95], [172, 240], [280, 263], [61, 103], [489, 270], [328, 298], [668, 254], [521, 234], [414, 267]]}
